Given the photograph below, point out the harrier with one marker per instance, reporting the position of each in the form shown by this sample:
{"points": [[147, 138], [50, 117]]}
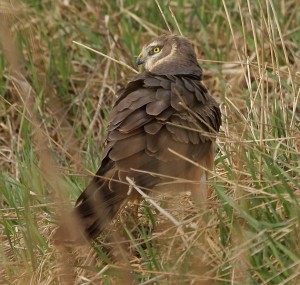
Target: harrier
{"points": [[160, 134]]}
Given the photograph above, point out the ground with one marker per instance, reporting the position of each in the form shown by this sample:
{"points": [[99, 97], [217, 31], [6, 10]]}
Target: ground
{"points": [[52, 127]]}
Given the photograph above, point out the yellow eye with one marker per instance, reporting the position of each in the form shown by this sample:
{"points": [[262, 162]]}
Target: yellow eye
{"points": [[156, 50]]}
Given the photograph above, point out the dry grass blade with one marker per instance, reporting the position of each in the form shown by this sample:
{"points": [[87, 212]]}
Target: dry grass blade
{"points": [[106, 56], [175, 20], [54, 105], [163, 15]]}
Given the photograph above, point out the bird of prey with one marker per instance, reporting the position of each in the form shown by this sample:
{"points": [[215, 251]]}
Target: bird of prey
{"points": [[160, 134]]}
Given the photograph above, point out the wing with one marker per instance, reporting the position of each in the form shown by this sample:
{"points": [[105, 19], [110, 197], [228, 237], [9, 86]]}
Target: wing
{"points": [[153, 117], [157, 114]]}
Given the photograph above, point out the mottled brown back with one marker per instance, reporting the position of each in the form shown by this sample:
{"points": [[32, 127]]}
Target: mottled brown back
{"points": [[155, 112]]}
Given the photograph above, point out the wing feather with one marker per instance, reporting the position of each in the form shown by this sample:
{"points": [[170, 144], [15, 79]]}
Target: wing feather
{"points": [[151, 107], [140, 137]]}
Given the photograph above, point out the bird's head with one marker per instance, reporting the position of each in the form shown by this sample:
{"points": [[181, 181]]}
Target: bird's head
{"points": [[169, 54]]}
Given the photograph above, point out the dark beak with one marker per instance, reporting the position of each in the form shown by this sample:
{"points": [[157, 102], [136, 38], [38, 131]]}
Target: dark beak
{"points": [[140, 59]]}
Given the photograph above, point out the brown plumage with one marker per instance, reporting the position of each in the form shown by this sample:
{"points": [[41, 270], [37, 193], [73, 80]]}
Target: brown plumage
{"points": [[165, 107]]}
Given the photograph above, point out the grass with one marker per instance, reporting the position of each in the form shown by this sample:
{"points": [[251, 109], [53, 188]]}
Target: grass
{"points": [[51, 140]]}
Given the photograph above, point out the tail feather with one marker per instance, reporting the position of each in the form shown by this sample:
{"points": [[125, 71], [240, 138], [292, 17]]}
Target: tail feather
{"points": [[95, 209]]}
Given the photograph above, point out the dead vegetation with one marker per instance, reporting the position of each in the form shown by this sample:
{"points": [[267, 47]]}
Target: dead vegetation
{"points": [[55, 98]]}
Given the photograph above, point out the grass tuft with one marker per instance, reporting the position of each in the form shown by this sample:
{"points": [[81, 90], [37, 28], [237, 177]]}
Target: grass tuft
{"points": [[55, 96]]}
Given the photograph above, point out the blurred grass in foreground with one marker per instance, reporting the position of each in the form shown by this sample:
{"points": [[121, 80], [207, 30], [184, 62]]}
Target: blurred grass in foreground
{"points": [[50, 141]]}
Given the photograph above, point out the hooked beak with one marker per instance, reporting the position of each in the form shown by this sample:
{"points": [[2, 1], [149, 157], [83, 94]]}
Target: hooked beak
{"points": [[140, 59]]}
